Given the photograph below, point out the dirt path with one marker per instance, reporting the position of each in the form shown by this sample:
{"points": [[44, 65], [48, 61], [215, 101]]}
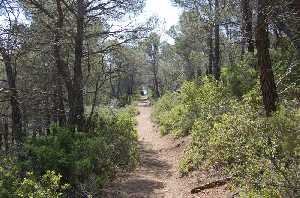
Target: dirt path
{"points": [[157, 176]]}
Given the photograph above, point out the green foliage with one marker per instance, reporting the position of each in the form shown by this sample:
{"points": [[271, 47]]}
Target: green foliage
{"points": [[260, 153], [14, 186], [87, 159], [240, 78], [176, 113], [164, 104], [287, 70], [48, 186]]}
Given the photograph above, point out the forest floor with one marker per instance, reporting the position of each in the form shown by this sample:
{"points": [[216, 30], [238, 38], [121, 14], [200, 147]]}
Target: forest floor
{"points": [[157, 175]]}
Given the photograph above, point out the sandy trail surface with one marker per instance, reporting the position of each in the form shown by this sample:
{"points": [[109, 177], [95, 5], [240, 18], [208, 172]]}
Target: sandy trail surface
{"points": [[157, 175]]}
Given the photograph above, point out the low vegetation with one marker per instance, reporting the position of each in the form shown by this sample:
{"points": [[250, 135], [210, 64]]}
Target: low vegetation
{"points": [[71, 162], [229, 130]]}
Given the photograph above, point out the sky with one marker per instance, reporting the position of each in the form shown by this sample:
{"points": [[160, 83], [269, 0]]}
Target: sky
{"points": [[168, 14], [163, 9]]}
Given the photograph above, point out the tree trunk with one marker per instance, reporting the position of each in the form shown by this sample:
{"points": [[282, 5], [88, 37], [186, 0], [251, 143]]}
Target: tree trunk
{"points": [[1, 133], [5, 135], [268, 86], [210, 44], [211, 52], [247, 35], [155, 81], [73, 86], [189, 70], [77, 105], [58, 101], [216, 68], [16, 115], [156, 87]]}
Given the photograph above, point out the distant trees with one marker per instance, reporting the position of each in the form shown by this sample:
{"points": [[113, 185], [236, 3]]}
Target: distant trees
{"points": [[223, 29], [60, 14], [152, 51], [56, 61]]}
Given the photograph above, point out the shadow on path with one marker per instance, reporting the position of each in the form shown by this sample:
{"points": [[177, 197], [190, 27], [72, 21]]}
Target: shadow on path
{"points": [[145, 182]]}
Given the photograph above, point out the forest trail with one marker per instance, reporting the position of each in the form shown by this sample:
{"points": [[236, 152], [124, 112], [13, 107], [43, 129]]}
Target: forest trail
{"points": [[157, 175]]}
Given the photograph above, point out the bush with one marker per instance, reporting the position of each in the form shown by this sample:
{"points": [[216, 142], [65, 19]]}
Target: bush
{"points": [[176, 113], [240, 78], [260, 153], [14, 186], [87, 160]]}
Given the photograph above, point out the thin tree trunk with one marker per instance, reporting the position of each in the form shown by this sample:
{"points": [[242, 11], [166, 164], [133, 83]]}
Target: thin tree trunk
{"points": [[210, 44], [247, 34], [211, 51], [95, 98], [216, 68], [189, 70], [58, 100], [63, 70], [1, 133], [60, 107], [155, 81], [268, 86], [5, 135], [77, 106], [16, 115]]}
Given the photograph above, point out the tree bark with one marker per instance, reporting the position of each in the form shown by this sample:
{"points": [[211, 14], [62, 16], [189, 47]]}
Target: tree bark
{"points": [[62, 68], [189, 70], [155, 81], [58, 101], [216, 68], [268, 86], [16, 115], [77, 105], [73, 86], [247, 35], [211, 51], [210, 44], [5, 135]]}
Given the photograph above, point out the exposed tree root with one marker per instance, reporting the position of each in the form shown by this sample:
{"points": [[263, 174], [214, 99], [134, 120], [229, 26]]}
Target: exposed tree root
{"points": [[209, 185]]}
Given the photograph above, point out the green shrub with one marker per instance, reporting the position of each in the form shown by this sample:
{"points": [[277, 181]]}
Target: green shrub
{"points": [[164, 104], [240, 78], [48, 185], [14, 186], [261, 154], [87, 159], [177, 112]]}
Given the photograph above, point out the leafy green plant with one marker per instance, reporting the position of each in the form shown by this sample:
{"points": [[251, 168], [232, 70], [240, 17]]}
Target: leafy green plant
{"points": [[89, 158], [177, 112], [260, 153], [48, 186], [240, 78], [13, 185]]}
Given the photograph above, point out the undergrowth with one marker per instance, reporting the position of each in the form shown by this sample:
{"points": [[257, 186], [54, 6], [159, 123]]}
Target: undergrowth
{"points": [[85, 161], [260, 153]]}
